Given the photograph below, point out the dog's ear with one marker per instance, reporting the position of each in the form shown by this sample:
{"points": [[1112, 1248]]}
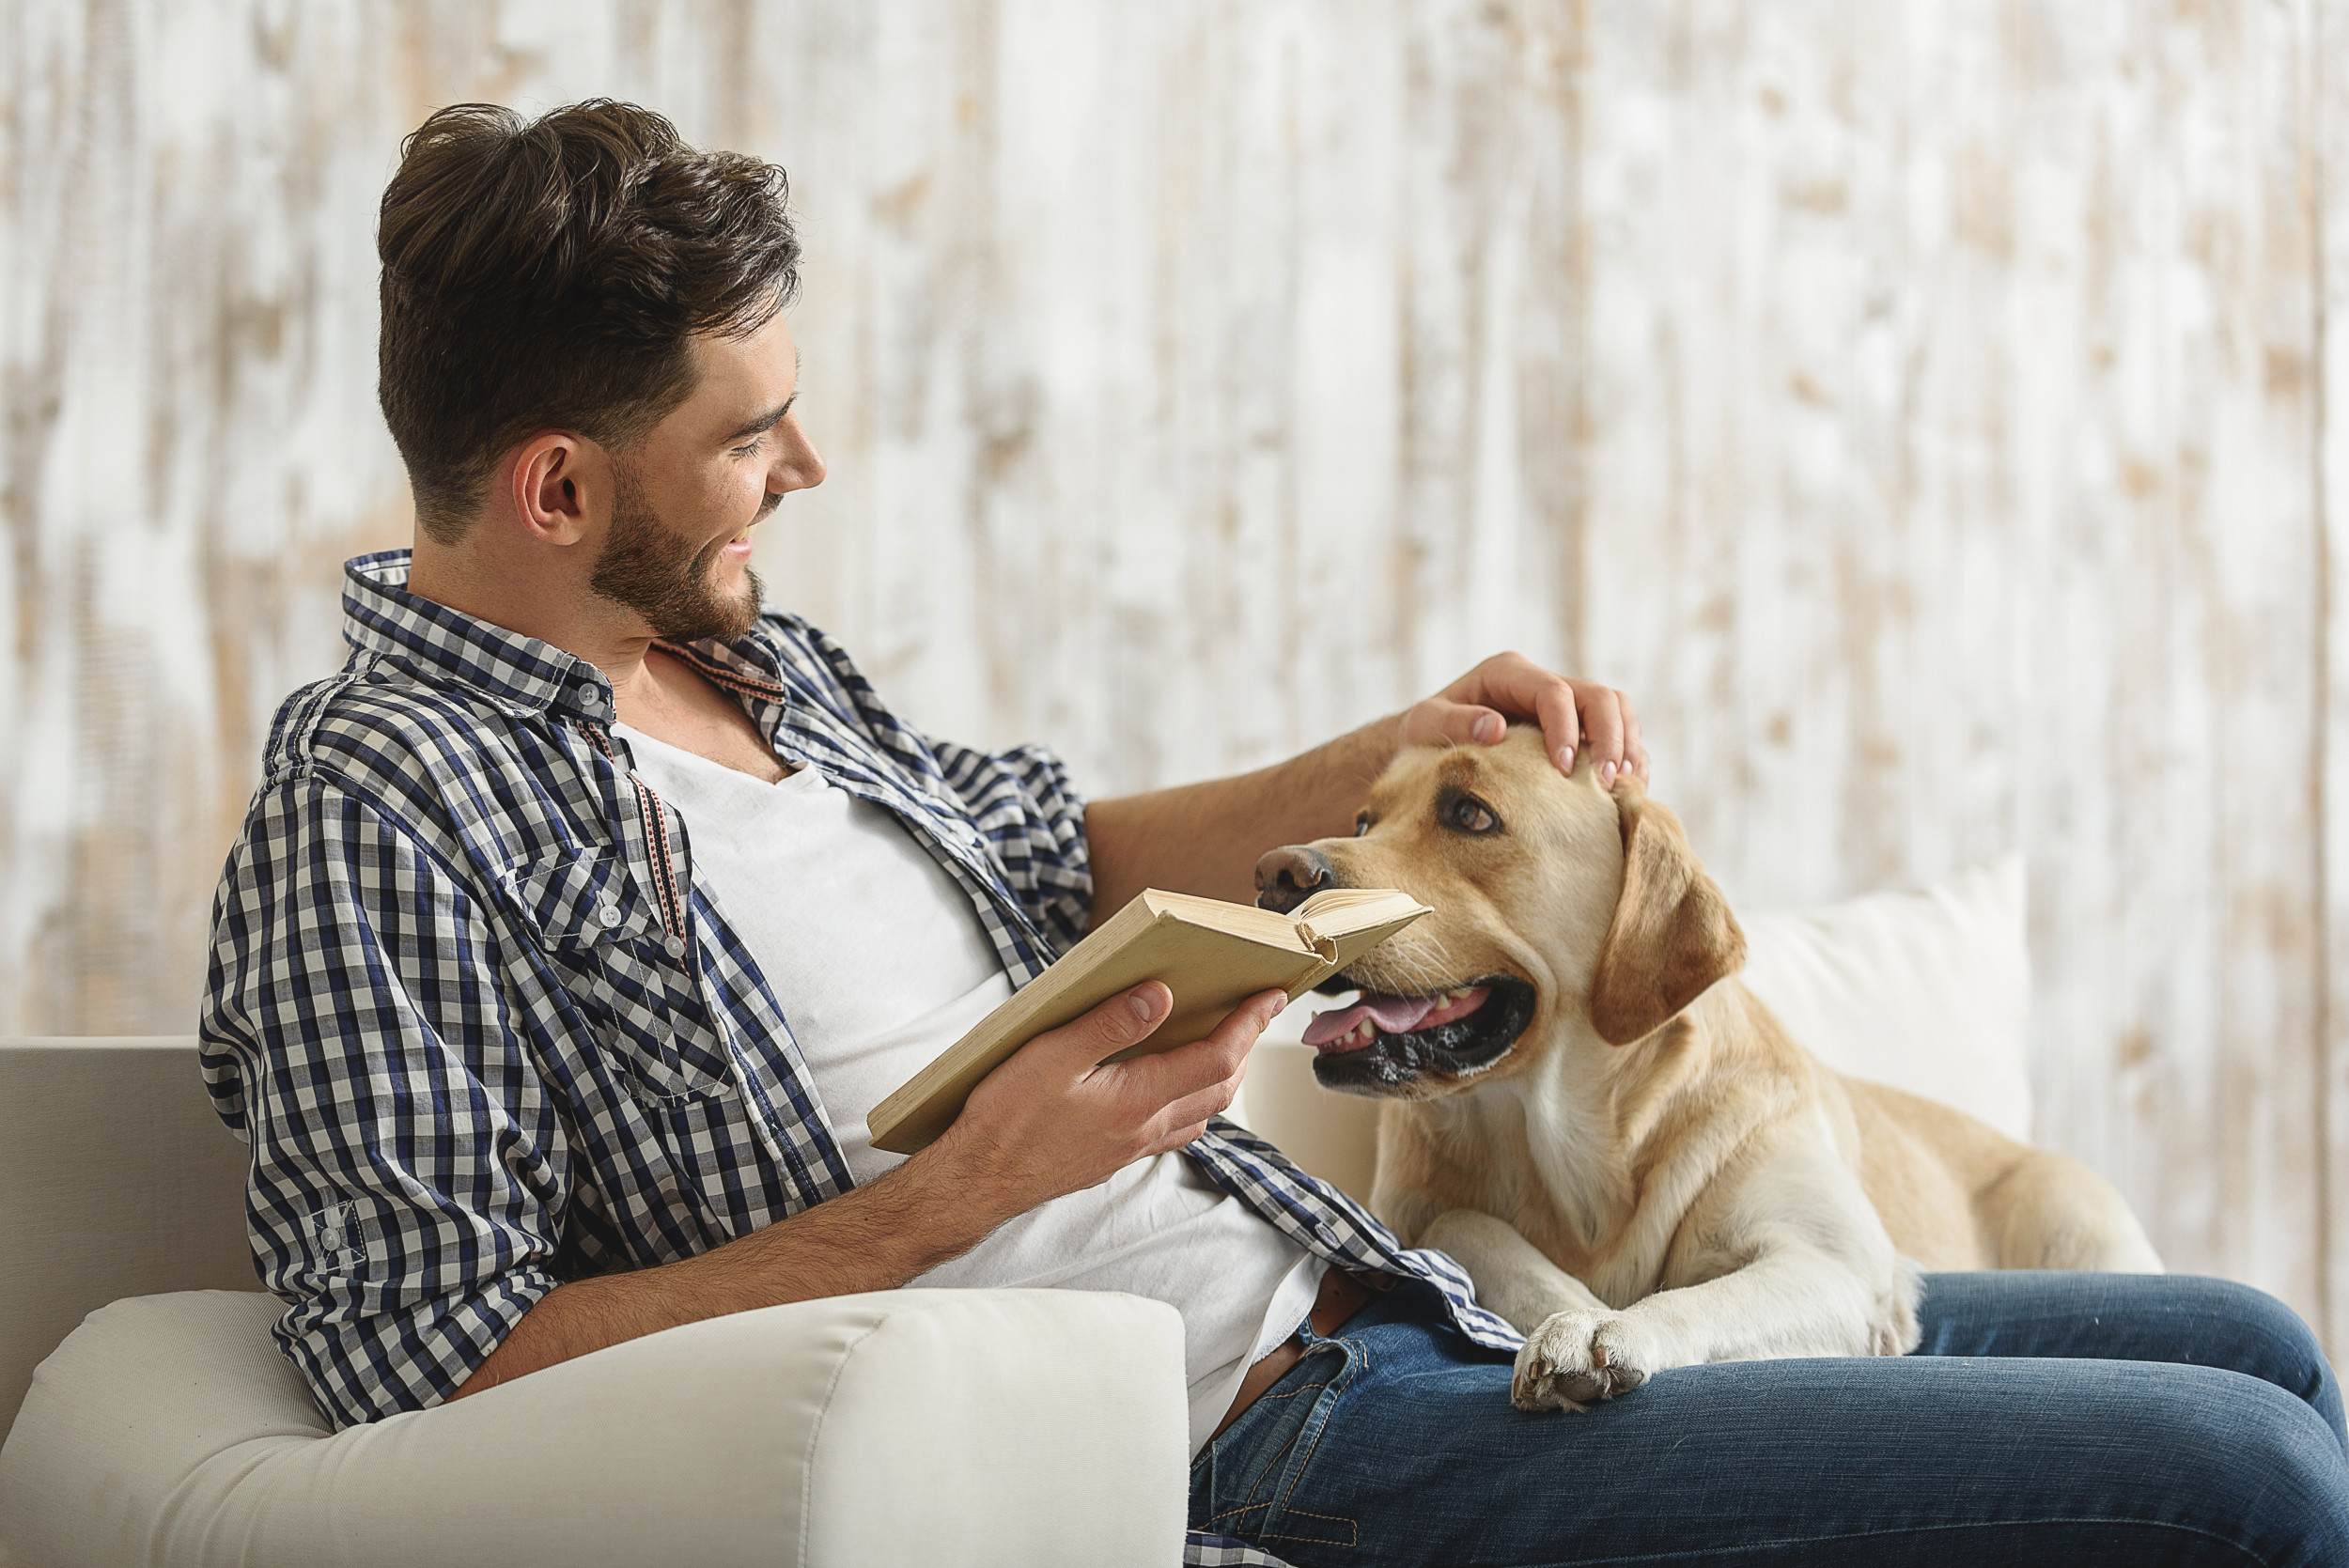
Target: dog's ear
{"points": [[1673, 935]]}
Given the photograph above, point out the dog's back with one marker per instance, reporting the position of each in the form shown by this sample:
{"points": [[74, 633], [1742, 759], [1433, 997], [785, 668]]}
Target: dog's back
{"points": [[1955, 1193]]}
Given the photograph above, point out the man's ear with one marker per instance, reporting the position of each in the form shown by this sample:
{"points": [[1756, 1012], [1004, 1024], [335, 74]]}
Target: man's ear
{"points": [[545, 476], [1673, 937]]}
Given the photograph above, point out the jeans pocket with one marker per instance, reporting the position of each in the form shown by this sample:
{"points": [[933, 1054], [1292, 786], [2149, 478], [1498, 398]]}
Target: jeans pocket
{"points": [[1245, 1485]]}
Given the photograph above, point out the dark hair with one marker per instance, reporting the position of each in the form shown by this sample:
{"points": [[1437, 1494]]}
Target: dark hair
{"points": [[549, 275]]}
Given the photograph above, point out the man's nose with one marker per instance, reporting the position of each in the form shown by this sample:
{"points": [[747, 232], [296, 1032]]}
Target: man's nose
{"points": [[1288, 875], [797, 464]]}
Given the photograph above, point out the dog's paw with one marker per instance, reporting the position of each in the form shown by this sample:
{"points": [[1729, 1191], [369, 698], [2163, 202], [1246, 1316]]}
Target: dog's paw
{"points": [[1895, 1331], [1577, 1358]]}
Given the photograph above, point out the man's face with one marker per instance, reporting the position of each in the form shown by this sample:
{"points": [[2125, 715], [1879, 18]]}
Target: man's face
{"points": [[686, 496]]}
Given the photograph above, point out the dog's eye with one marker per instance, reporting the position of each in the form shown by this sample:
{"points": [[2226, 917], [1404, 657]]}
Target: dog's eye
{"points": [[1471, 815], [1362, 823]]}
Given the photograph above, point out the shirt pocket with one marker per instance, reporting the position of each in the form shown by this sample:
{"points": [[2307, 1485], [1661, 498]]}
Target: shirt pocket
{"points": [[627, 972]]}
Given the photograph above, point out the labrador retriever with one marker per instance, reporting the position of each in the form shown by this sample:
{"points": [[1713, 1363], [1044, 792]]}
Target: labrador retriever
{"points": [[1632, 1159]]}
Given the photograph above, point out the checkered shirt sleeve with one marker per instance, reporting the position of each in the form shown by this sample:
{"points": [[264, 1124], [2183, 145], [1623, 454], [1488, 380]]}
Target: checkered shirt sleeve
{"points": [[404, 1196]]}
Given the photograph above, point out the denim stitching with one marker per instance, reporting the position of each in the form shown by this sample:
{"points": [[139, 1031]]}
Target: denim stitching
{"points": [[1270, 1465], [1274, 1459], [1353, 1527], [1349, 1367], [1340, 1375], [1361, 1350], [1207, 1452]]}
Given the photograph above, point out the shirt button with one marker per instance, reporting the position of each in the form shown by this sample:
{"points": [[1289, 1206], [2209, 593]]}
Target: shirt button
{"points": [[609, 915], [591, 697]]}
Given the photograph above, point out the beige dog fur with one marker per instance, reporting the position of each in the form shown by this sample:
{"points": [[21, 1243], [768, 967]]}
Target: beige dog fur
{"points": [[1653, 1174]]}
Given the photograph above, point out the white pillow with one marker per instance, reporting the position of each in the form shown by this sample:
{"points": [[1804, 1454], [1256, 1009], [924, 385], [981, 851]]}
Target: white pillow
{"points": [[1927, 991]]}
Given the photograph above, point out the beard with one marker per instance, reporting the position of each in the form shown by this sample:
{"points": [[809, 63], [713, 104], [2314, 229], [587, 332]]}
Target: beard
{"points": [[649, 568]]}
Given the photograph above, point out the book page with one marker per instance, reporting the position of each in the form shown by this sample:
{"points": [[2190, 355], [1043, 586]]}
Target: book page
{"points": [[1270, 926], [1338, 912]]}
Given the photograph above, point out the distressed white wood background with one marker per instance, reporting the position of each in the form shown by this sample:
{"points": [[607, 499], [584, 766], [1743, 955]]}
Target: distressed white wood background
{"points": [[1922, 408]]}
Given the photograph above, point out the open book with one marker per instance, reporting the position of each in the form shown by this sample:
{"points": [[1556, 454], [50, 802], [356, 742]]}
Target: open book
{"points": [[1212, 955]]}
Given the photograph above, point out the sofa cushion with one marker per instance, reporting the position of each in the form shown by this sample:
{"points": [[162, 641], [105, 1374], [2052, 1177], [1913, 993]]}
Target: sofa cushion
{"points": [[1928, 991], [965, 1426]]}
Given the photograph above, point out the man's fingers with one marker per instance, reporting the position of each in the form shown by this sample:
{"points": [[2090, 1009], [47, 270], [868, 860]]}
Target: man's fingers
{"points": [[1440, 721], [1190, 1114], [1479, 705], [1572, 713], [1635, 751], [1603, 722], [1562, 729], [1172, 1077], [1125, 1020], [1195, 1110]]}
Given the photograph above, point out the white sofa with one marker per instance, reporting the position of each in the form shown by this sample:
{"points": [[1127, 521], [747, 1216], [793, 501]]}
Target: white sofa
{"points": [[966, 1427], [904, 1426]]}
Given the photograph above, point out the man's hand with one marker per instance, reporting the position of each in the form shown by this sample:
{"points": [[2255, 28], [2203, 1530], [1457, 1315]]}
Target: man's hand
{"points": [[1206, 837], [1055, 1119], [1477, 708]]}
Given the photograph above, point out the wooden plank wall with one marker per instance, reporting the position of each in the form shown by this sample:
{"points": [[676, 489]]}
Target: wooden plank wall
{"points": [[1922, 407]]}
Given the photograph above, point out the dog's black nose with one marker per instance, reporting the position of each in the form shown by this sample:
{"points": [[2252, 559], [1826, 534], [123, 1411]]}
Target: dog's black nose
{"points": [[1288, 875]]}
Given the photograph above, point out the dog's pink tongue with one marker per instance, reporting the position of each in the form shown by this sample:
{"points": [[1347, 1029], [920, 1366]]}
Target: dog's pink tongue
{"points": [[1392, 1015]]}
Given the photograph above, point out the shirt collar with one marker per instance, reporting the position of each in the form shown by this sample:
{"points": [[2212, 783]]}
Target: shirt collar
{"points": [[520, 673]]}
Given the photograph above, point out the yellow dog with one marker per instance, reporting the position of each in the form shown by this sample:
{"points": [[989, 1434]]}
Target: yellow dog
{"points": [[1629, 1156]]}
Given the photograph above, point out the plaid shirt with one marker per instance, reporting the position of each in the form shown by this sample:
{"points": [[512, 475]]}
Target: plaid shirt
{"points": [[486, 1031]]}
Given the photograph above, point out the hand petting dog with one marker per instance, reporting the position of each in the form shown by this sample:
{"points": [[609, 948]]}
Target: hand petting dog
{"points": [[1204, 838], [1478, 707]]}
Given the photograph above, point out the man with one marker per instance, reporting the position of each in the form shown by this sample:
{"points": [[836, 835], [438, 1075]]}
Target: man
{"points": [[578, 921]]}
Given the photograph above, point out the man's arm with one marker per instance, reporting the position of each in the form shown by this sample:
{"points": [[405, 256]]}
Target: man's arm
{"points": [[1048, 1122], [332, 909], [1205, 838]]}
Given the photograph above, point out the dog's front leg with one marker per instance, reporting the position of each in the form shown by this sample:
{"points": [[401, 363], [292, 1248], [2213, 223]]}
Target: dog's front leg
{"points": [[1819, 1277], [1795, 1299], [1512, 1277]]}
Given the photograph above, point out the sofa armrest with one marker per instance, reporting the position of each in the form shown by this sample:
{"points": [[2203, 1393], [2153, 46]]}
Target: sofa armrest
{"points": [[966, 1426], [116, 1179]]}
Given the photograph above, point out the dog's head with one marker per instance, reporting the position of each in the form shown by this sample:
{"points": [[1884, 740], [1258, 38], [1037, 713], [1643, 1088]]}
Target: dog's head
{"points": [[1558, 908]]}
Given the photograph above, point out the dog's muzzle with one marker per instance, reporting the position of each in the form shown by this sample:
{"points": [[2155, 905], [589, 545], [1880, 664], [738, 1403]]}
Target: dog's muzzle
{"points": [[1370, 1058]]}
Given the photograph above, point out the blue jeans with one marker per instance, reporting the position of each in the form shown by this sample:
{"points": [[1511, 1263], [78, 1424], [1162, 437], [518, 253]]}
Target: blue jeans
{"points": [[2079, 1420]]}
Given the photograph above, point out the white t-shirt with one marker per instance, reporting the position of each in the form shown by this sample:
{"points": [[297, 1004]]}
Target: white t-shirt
{"points": [[878, 962]]}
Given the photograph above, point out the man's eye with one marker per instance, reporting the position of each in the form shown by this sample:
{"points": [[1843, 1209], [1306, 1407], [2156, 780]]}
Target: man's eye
{"points": [[1362, 823], [751, 448], [1471, 815]]}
